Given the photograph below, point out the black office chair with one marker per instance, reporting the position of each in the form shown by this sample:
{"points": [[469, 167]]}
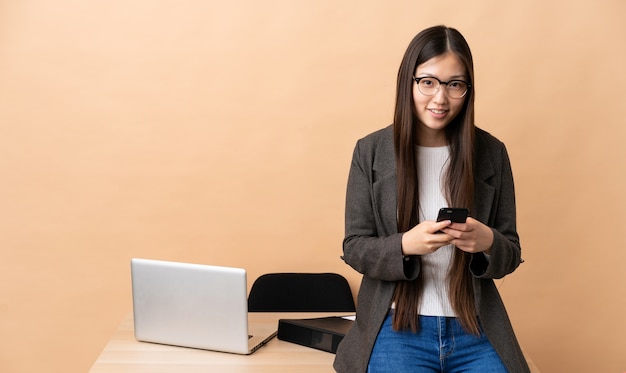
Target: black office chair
{"points": [[301, 292]]}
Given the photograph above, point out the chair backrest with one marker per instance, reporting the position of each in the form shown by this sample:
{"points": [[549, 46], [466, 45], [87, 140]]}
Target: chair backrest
{"points": [[301, 292]]}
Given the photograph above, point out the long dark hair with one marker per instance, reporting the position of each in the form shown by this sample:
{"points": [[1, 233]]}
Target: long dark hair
{"points": [[459, 179]]}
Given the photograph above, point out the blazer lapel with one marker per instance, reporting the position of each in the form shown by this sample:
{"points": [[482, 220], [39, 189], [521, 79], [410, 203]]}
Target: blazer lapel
{"points": [[484, 192], [384, 188]]}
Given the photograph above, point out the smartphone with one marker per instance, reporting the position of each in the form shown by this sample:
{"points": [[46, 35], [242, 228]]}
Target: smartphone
{"points": [[454, 214]]}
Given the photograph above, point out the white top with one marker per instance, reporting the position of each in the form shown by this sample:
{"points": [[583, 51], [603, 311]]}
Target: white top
{"points": [[432, 165]]}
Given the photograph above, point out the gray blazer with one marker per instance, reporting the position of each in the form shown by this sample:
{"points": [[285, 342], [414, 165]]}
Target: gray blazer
{"points": [[372, 245]]}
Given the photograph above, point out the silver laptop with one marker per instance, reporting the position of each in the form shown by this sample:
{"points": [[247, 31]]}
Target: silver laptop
{"points": [[194, 305]]}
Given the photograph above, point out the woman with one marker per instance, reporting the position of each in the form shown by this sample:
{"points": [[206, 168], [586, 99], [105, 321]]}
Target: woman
{"points": [[427, 301]]}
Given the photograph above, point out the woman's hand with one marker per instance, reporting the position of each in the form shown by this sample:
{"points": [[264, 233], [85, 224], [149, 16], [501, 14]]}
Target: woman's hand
{"points": [[424, 238], [471, 236]]}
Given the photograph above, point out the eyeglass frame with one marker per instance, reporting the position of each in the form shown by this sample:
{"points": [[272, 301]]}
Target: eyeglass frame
{"points": [[441, 82]]}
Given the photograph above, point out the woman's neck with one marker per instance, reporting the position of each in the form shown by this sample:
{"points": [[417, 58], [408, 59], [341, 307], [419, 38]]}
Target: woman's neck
{"points": [[428, 137], [432, 142]]}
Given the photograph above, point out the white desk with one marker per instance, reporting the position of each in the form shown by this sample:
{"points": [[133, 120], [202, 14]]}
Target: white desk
{"points": [[124, 354]]}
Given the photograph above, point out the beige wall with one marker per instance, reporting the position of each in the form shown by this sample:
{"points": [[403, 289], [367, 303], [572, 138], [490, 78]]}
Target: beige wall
{"points": [[221, 133]]}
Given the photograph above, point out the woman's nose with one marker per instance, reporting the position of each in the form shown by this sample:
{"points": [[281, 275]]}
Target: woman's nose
{"points": [[441, 96]]}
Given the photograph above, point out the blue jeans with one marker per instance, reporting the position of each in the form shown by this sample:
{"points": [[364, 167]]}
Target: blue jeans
{"points": [[441, 345]]}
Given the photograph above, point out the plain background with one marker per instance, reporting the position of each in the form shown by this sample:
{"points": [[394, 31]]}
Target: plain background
{"points": [[221, 132]]}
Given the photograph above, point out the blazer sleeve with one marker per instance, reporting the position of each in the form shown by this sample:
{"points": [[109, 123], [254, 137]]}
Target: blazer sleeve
{"points": [[505, 254], [372, 245]]}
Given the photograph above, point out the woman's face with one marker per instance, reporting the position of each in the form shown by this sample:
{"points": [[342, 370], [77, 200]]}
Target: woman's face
{"points": [[435, 112]]}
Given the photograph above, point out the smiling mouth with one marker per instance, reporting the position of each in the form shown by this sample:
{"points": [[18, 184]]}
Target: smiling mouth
{"points": [[435, 111]]}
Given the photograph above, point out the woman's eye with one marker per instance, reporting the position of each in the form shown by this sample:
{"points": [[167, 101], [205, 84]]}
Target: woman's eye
{"points": [[456, 84]]}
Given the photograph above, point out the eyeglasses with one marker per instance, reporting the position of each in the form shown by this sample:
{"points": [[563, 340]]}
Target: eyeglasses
{"points": [[429, 86]]}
